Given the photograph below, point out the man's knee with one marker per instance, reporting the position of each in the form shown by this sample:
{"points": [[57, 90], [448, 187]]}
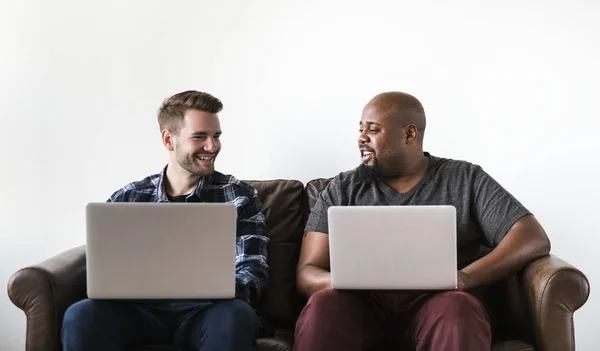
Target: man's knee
{"points": [[457, 309], [458, 303], [329, 298], [79, 324], [236, 313], [331, 320], [328, 303], [81, 314], [453, 320]]}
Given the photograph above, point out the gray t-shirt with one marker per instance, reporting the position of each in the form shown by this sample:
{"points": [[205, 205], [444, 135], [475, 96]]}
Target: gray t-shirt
{"points": [[485, 210]]}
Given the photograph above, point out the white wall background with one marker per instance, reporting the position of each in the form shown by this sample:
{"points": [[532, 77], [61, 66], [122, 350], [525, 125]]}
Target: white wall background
{"points": [[511, 85]]}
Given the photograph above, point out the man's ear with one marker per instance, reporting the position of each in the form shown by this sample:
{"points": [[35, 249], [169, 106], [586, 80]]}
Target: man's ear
{"points": [[411, 134], [168, 140]]}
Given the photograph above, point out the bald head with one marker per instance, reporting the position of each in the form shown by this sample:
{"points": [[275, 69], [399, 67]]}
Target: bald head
{"points": [[406, 108], [392, 126]]}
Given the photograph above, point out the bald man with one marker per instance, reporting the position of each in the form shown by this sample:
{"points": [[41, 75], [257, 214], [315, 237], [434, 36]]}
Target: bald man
{"points": [[396, 171]]}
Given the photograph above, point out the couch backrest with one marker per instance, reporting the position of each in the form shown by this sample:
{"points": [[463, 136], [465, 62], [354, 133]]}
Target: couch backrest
{"points": [[285, 211]]}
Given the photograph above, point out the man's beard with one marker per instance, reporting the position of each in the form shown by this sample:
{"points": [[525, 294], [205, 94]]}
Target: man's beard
{"points": [[368, 173], [188, 162]]}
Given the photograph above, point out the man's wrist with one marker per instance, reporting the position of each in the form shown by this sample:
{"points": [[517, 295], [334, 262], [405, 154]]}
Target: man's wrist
{"points": [[464, 281]]}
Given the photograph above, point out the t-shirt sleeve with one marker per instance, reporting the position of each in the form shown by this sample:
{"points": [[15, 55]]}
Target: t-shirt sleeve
{"points": [[317, 220], [494, 208]]}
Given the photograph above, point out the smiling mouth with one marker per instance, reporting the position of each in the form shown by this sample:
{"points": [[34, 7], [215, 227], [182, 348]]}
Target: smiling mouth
{"points": [[367, 154], [206, 160]]}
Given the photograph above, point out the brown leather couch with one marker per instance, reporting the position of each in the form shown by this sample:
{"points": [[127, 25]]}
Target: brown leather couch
{"points": [[532, 310]]}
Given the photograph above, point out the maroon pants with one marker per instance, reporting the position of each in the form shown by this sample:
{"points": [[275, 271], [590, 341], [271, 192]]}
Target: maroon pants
{"points": [[337, 320]]}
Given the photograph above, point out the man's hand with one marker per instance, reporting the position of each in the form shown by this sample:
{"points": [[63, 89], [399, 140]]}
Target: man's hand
{"points": [[462, 283]]}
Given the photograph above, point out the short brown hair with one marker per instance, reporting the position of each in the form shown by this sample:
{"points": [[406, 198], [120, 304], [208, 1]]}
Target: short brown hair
{"points": [[172, 110]]}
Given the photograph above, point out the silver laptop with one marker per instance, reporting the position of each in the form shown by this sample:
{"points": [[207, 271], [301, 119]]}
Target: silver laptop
{"points": [[393, 247], [160, 250]]}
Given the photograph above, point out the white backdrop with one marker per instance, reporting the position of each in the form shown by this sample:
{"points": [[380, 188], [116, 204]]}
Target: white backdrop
{"points": [[512, 86]]}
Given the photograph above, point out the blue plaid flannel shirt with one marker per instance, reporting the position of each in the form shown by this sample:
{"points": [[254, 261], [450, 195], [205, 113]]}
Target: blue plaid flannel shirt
{"points": [[251, 243]]}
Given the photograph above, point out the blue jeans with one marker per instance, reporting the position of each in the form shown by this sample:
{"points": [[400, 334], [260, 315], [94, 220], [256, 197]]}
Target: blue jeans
{"points": [[108, 325]]}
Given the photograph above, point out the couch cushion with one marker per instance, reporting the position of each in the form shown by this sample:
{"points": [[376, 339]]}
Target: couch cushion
{"points": [[273, 344], [283, 202]]}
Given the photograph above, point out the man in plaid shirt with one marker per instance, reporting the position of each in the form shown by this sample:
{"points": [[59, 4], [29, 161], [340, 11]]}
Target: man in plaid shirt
{"points": [[190, 132]]}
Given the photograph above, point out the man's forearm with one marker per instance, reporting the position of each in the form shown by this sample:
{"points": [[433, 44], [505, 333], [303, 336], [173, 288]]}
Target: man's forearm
{"points": [[312, 279], [525, 242]]}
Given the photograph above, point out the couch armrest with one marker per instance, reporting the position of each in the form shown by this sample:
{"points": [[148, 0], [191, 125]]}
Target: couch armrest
{"points": [[44, 292], [543, 298]]}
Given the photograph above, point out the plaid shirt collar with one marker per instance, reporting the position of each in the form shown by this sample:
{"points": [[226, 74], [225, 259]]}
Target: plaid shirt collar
{"points": [[161, 194]]}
